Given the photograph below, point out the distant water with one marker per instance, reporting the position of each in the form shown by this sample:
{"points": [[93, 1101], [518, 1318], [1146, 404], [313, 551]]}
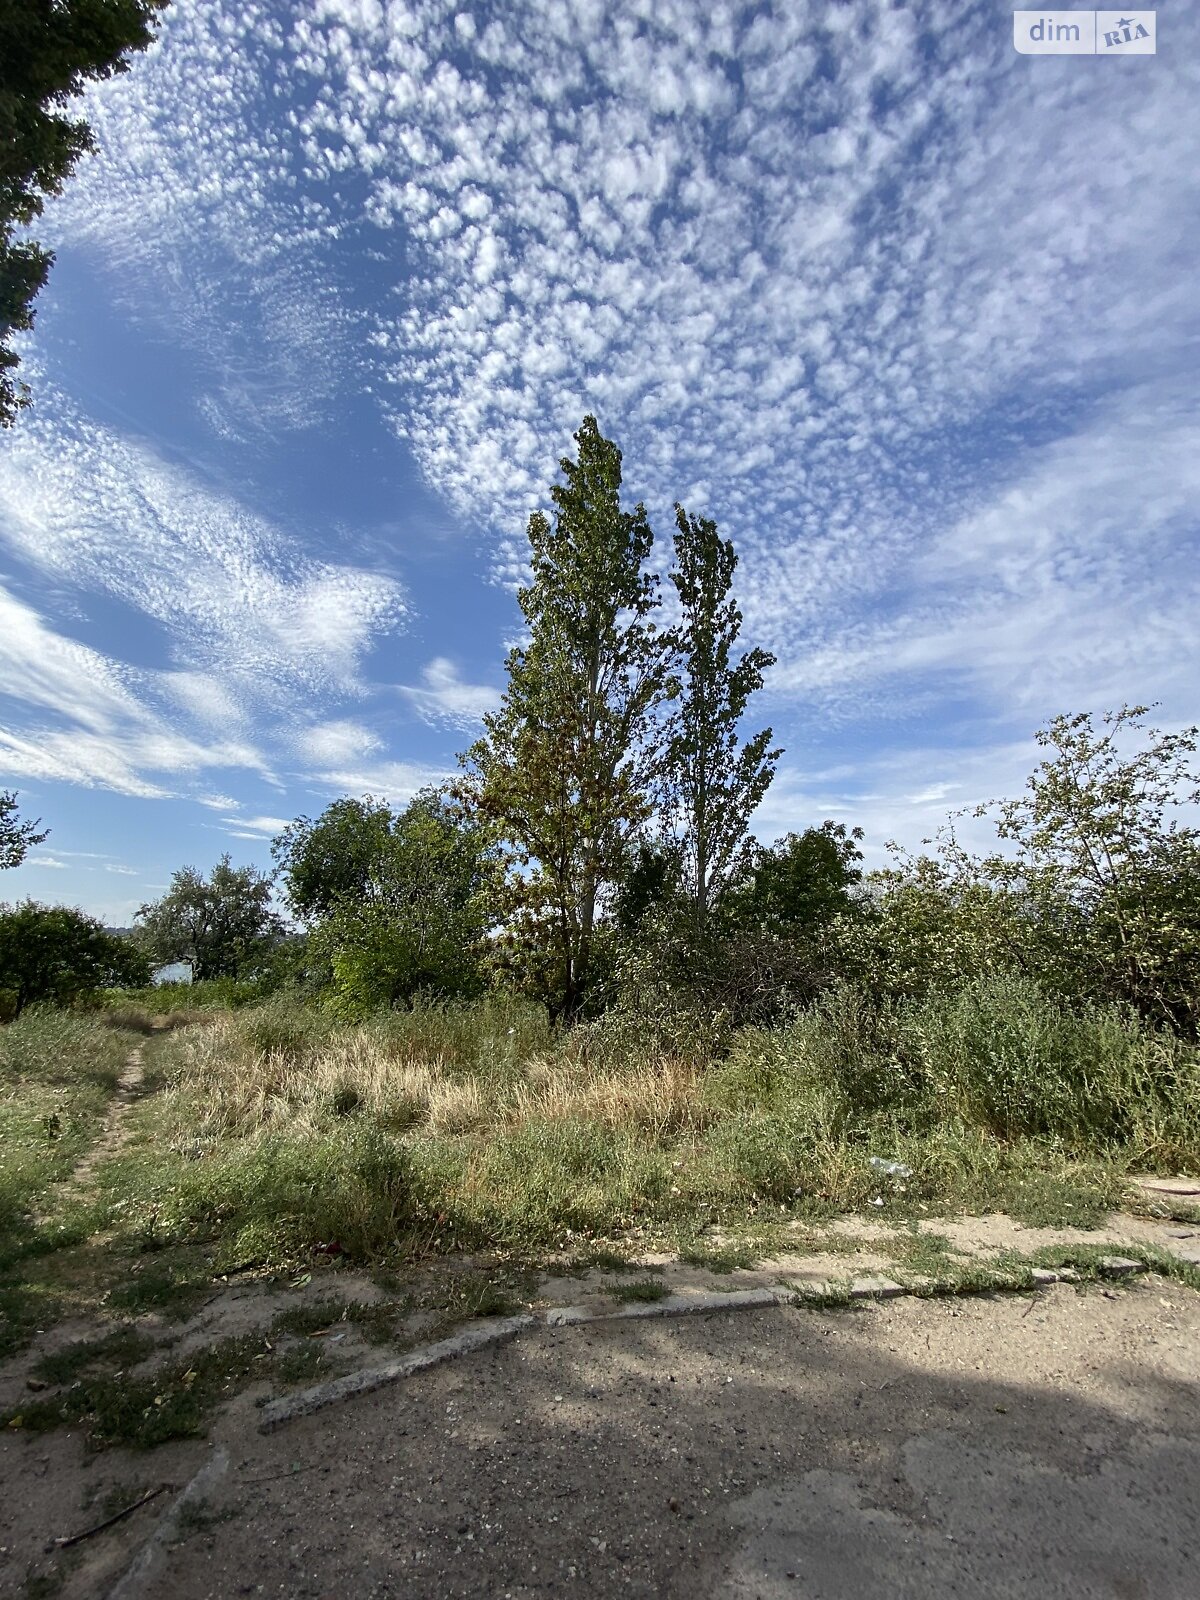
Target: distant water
{"points": [[177, 972]]}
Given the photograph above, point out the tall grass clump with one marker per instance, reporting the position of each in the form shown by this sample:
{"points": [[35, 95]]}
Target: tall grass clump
{"points": [[996, 1056], [500, 1129], [272, 1198], [1001, 1054]]}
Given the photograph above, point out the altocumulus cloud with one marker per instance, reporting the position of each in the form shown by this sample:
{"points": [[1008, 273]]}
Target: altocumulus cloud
{"points": [[816, 264], [906, 312]]}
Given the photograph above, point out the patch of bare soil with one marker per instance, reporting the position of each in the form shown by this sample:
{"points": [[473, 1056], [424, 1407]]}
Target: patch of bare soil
{"points": [[982, 1237], [1044, 1444]]}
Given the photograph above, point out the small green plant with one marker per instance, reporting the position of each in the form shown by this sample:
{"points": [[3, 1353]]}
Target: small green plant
{"points": [[172, 1402], [119, 1350], [719, 1258], [825, 1297], [927, 1254], [1058, 1200], [173, 1289], [641, 1290], [601, 1261]]}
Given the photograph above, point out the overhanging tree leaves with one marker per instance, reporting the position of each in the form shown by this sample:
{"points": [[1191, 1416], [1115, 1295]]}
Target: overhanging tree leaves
{"points": [[17, 836], [562, 768], [50, 50], [713, 781]]}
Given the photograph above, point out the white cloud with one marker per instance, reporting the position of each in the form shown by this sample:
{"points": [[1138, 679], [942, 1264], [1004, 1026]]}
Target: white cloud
{"points": [[327, 743], [45, 861], [906, 796], [256, 827], [907, 313], [1040, 596], [84, 855], [248, 611], [444, 698], [395, 782], [206, 698], [78, 716]]}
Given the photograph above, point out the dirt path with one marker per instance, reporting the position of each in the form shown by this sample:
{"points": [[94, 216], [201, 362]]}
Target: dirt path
{"points": [[112, 1135], [1045, 1446]]}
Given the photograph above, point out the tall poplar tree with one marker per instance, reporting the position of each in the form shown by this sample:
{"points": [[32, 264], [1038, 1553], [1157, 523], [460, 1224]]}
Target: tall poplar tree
{"points": [[562, 766], [714, 782]]}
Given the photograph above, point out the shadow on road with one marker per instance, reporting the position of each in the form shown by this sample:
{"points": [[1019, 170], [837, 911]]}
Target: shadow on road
{"points": [[1002, 1446]]}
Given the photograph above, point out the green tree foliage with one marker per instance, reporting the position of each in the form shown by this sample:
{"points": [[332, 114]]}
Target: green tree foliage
{"points": [[932, 923], [802, 882], [1102, 846], [50, 50], [54, 953], [1095, 893], [713, 781], [17, 836], [335, 859], [562, 769], [223, 925], [417, 916]]}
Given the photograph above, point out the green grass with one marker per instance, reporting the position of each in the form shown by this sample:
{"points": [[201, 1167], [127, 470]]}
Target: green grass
{"points": [[162, 999], [175, 1400], [57, 1076], [273, 1137], [924, 1253], [171, 1288], [1005, 1273], [603, 1260], [639, 1291], [456, 1128], [122, 1348], [478, 1294], [721, 1258], [1087, 1261], [828, 1297]]}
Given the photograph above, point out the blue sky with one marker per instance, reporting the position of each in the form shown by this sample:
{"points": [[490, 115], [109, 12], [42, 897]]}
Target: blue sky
{"points": [[913, 316]]}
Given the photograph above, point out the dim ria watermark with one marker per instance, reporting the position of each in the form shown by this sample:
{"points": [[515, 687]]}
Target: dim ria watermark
{"points": [[1084, 33]]}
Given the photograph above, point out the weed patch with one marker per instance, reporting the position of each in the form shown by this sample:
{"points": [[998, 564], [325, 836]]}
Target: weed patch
{"points": [[119, 1350], [173, 1402], [639, 1291], [719, 1258]]}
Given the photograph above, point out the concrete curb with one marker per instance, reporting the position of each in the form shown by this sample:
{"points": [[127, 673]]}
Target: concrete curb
{"points": [[132, 1582], [477, 1336], [499, 1330]]}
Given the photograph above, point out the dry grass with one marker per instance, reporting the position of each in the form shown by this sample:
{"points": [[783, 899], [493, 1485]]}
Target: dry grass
{"points": [[661, 1100], [474, 1126], [228, 1089]]}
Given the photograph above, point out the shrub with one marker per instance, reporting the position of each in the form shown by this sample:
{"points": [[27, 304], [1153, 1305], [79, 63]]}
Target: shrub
{"points": [[996, 1053], [54, 953]]}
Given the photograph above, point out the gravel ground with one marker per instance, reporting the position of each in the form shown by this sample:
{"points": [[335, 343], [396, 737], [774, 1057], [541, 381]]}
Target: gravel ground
{"points": [[1009, 1445]]}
